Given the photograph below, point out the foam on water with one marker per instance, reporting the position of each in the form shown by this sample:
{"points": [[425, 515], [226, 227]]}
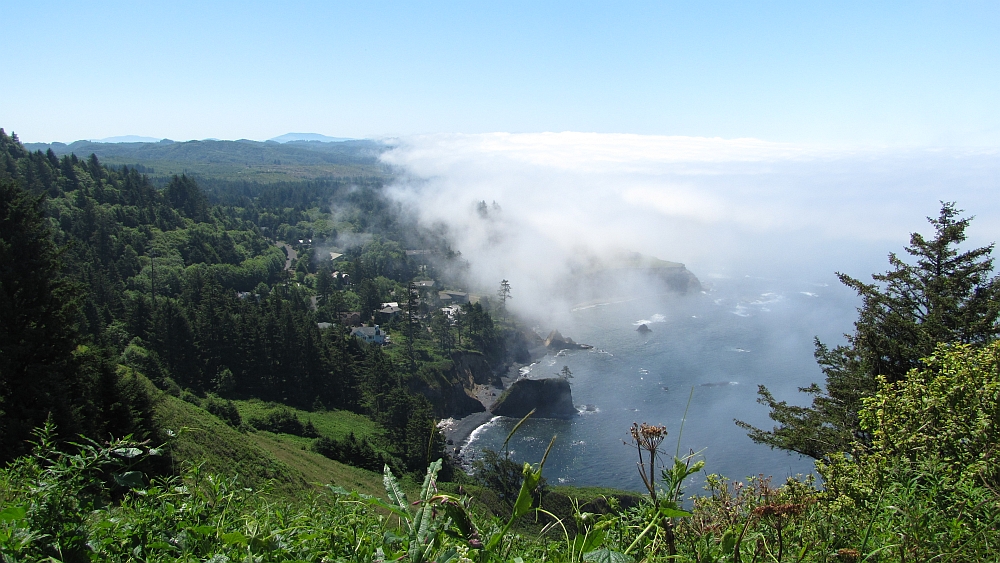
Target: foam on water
{"points": [[657, 318]]}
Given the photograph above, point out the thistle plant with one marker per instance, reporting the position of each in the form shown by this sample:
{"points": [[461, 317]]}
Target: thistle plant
{"points": [[647, 439]]}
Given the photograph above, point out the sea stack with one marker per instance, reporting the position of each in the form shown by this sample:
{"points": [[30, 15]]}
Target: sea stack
{"points": [[556, 341], [643, 329], [551, 398]]}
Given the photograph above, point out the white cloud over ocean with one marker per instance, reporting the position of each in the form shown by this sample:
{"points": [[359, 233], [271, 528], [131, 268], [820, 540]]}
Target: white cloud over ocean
{"points": [[718, 205]]}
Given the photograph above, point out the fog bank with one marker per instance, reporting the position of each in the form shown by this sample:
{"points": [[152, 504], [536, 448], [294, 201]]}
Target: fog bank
{"points": [[723, 207]]}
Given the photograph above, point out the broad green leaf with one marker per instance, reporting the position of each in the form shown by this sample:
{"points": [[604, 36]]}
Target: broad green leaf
{"points": [[379, 503], [728, 542], [394, 491], [12, 513], [459, 516], [591, 540], [524, 500], [130, 479], [338, 490], [127, 452], [673, 512], [605, 555], [234, 538], [160, 545], [204, 530]]}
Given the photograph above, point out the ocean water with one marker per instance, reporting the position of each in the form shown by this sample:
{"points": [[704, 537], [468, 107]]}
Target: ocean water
{"points": [[715, 348]]}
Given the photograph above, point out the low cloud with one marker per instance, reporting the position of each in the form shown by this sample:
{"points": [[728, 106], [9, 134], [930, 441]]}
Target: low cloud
{"points": [[721, 206]]}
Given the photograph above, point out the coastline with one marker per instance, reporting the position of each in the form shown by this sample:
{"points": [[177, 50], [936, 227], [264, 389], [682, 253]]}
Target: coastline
{"points": [[458, 431]]}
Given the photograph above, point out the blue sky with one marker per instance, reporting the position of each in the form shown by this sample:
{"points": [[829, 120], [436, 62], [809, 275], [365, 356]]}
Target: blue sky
{"points": [[830, 73]]}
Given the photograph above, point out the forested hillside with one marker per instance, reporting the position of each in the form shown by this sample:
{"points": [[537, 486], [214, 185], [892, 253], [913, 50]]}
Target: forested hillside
{"points": [[188, 287], [240, 160]]}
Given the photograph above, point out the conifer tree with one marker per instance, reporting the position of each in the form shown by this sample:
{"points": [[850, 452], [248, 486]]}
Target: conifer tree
{"points": [[943, 296], [37, 335]]}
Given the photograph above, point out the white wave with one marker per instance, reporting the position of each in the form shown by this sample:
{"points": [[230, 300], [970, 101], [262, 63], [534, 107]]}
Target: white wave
{"points": [[657, 318], [588, 306], [740, 311], [475, 433], [809, 294]]}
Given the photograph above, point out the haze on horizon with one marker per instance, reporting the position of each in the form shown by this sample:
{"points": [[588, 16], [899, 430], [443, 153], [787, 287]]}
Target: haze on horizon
{"points": [[849, 74]]}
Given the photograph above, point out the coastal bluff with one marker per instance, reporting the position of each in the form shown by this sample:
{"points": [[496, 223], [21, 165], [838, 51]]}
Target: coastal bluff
{"points": [[550, 397]]}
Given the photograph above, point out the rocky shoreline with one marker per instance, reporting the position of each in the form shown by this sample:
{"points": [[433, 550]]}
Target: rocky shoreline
{"points": [[458, 431]]}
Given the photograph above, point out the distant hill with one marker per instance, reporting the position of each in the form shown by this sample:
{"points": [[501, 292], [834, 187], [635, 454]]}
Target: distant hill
{"points": [[126, 139], [243, 159], [289, 137]]}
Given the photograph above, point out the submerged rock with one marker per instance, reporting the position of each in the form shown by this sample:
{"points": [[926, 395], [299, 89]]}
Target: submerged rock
{"points": [[551, 398]]}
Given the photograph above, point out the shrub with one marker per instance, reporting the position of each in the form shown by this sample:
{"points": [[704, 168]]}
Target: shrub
{"points": [[283, 420], [224, 409]]}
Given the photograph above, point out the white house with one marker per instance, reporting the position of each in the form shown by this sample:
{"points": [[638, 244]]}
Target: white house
{"points": [[370, 334]]}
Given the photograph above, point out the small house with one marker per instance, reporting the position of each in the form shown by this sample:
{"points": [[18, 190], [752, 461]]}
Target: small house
{"points": [[458, 297], [350, 318], [388, 312], [370, 334]]}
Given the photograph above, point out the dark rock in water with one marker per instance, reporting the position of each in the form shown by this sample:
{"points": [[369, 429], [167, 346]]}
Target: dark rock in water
{"points": [[551, 398], [643, 329], [556, 341]]}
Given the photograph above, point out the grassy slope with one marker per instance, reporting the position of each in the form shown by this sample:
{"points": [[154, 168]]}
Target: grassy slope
{"points": [[261, 459]]}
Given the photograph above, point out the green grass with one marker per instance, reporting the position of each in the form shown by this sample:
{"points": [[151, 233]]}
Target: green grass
{"points": [[336, 424], [315, 468], [281, 462], [204, 439]]}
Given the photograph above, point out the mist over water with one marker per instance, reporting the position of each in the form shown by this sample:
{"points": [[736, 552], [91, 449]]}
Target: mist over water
{"points": [[763, 225], [740, 333]]}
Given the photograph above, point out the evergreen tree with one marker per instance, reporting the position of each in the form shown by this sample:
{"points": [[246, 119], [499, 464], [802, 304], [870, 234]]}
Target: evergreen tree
{"points": [[37, 335], [504, 294], [185, 196], [945, 296], [46, 370]]}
